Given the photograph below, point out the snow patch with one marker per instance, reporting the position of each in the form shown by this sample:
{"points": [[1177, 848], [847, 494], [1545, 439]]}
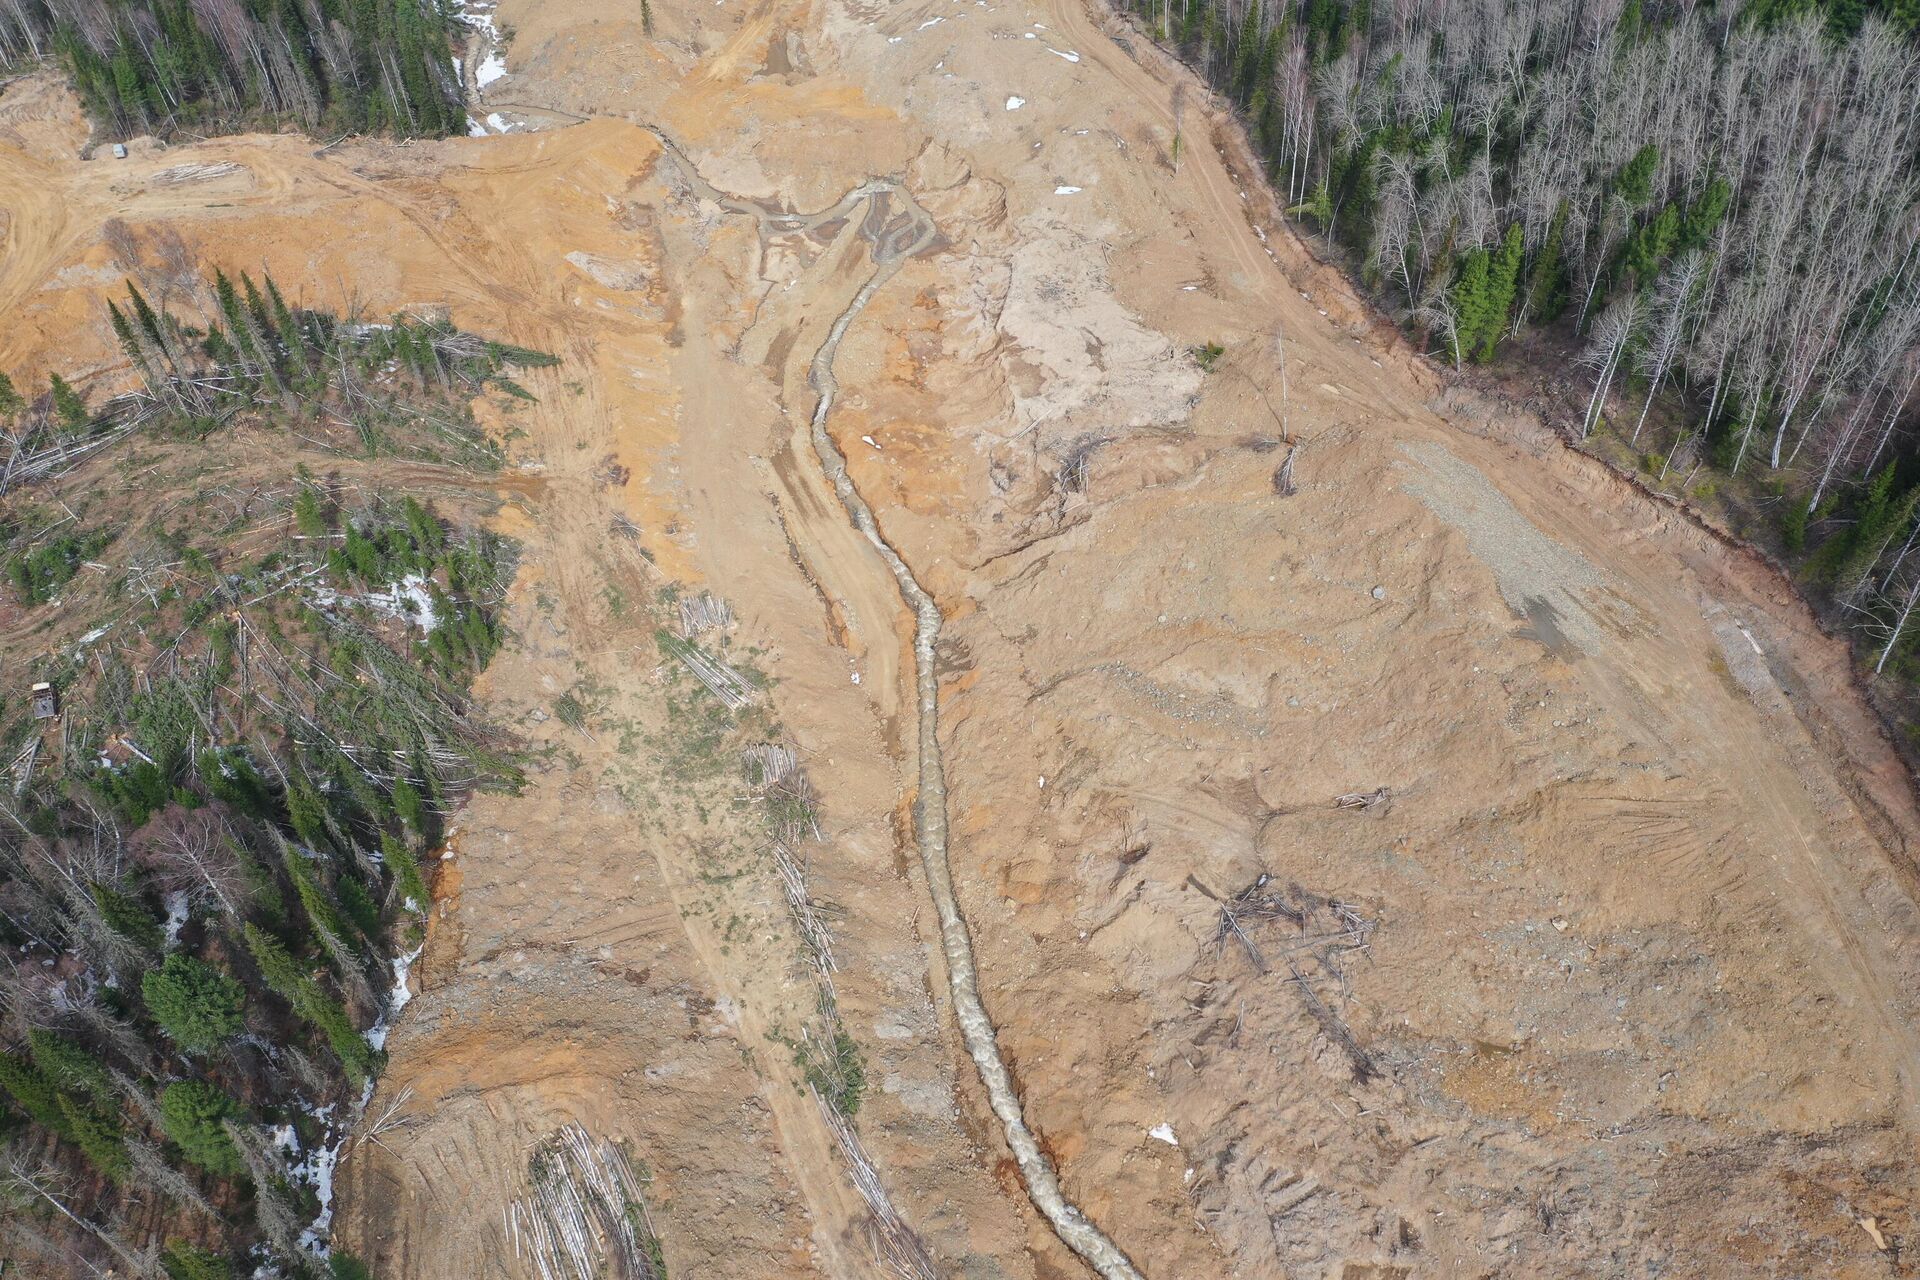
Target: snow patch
{"points": [[479, 16], [408, 598], [1069, 55], [1164, 1132], [1014, 104], [176, 920], [1066, 191], [316, 1170], [397, 999]]}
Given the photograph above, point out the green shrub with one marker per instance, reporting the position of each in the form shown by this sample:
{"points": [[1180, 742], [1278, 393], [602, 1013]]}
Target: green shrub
{"points": [[344, 1266], [40, 573]]}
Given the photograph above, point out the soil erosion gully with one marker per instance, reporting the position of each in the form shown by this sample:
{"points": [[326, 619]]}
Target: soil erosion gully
{"points": [[894, 239]]}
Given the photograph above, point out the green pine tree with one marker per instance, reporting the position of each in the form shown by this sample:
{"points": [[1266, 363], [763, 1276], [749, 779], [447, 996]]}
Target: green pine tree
{"points": [[69, 1066], [32, 1092], [183, 1261], [1471, 303], [193, 1114], [126, 917], [1503, 281], [199, 1007], [69, 405], [311, 1003], [98, 1138]]}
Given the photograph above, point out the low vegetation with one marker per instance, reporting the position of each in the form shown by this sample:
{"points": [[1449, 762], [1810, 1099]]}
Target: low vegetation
{"points": [[213, 857]]}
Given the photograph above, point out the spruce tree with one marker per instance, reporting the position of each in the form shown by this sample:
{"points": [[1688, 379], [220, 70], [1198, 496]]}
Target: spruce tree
{"points": [[69, 1066], [32, 1092], [126, 917], [1470, 302], [194, 1113], [1634, 183], [69, 405], [1503, 280], [183, 1261], [311, 1003], [98, 1138], [407, 880], [199, 1007]]}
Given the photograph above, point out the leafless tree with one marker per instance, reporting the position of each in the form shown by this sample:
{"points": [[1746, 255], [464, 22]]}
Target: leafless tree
{"points": [[194, 853], [1672, 299]]}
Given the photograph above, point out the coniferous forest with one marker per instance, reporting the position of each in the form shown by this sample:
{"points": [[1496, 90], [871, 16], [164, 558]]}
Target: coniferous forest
{"points": [[209, 66], [220, 811], [1707, 214]]}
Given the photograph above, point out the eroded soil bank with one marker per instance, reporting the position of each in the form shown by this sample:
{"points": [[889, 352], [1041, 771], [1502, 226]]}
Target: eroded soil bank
{"points": [[1616, 978]]}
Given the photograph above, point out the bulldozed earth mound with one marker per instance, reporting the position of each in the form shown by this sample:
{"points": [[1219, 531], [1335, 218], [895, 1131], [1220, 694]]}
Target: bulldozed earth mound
{"points": [[1390, 845]]}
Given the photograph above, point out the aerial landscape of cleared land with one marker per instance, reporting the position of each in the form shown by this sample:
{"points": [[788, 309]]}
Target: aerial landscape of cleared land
{"points": [[996, 639]]}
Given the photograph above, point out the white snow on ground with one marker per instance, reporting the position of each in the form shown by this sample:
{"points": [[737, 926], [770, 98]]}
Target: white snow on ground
{"points": [[176, 918], [500, 124], [316, 1170], [1014, 104], [1066, 191], [478, 14], [1069, 55], [476, 130], [407, 598], [930, 22], [1164, 1132], [396, 999]]}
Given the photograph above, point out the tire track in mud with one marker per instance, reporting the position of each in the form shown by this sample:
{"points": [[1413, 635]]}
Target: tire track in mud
{"points": [[892, 243]]}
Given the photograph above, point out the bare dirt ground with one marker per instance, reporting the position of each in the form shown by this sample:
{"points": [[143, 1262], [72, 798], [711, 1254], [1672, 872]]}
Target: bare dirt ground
{"points": [[1617, 980]]}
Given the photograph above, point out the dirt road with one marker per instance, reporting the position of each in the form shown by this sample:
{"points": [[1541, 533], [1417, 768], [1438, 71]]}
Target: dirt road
{"points": [[1617, 977]]}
